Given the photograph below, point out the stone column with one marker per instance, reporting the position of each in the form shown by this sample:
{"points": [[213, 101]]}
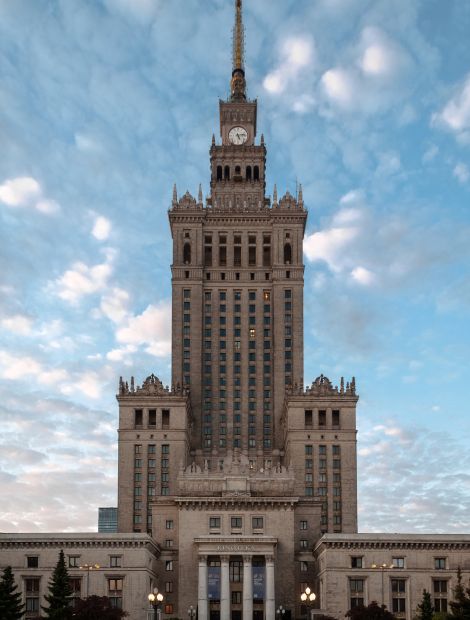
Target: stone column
{"points": [[247, 589], [202, 602], [224, 588], [270, 605]]}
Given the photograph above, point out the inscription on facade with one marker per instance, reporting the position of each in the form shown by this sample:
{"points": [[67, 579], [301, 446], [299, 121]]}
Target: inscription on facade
{"points": [[235, 548]]}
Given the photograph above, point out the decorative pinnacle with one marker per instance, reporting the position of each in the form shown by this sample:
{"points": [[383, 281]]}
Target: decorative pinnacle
{"points": [[301, 195], [175, 194], [199, 198], [238, 83], [275, 195]]}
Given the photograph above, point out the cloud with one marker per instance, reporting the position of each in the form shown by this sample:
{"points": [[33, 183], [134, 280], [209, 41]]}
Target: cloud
{"points": [[89, 383], [18, 367], [455, 116], [82, 280], [17, 324], [101, 228], [115, 305], [26, 192], [151, 329], [429, 489], [363, 276], [461, 173], [372, 76], [296, 54]]}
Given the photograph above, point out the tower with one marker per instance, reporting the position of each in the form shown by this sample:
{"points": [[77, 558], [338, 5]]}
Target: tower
{"points": [[237, 466]]}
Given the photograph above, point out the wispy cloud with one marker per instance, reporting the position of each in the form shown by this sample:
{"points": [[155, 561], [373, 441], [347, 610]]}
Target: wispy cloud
{"points": [[26, 192]]}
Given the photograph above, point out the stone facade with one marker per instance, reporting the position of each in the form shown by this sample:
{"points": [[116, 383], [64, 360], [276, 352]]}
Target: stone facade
{"points": [[127, 567], [392, 569]]}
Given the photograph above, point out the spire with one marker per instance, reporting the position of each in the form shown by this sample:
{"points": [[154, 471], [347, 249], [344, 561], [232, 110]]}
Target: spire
{"points": [[238, 83], [275, 196], [199, 198]]}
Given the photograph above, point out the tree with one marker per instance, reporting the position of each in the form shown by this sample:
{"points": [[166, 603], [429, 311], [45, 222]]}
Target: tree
{"points": [[11, 607], [97, 608], [371, 612], [460, 606], [425, 609], [60, 593]]}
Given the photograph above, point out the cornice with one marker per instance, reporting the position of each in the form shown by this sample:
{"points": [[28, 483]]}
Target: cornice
{"points": [[450, 543], [202, 503], [77, 541]]}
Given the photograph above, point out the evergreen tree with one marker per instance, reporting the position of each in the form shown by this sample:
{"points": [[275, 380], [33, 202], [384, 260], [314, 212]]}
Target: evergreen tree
{"points": [[97, 608], [371, 612], [460, 606], [60, 593], [11, 607], [425, 608]]}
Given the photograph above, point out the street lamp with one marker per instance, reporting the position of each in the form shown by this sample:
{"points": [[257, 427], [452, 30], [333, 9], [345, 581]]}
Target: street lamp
{"points": [[88, 568], [308, 597], [191, 612], [280, 611], [155, 599], [382, 567]]}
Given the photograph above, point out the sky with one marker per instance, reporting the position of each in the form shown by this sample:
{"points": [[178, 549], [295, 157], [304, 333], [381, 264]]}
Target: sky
{"points": [[105, 104]]}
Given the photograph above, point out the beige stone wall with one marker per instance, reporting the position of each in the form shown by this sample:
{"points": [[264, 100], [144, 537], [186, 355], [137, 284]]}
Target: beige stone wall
{"points": [[138, 555], [334, 555]]}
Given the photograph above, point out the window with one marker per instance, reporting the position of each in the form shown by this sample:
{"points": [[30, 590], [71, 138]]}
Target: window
{"points": [[257, 523], [309, 450], [236, 597], [356, 562], [236, 523], [440, 595], [398, 562], [115, 592], [322, 418], [138, 417], [356, 591], [335, 417], [304, 525], [168, 608], [169, 524], [303, 567], [214, 523], [168, 587], [439, 563], [308, 418], [304, 544], [399, 596], [74, 561], [236, 571], [168, 565], [32, 561]]}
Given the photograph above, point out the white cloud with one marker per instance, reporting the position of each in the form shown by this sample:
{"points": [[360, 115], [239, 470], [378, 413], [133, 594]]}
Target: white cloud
{"points": [[115, 304], [26, 192], [363, 276], [151, 329], [455, 115], [430, 154], [17, 324], [339, 86], [88, 383], [101, 228], [375, 60], [142, 10], [329, 245], [296, 54], [83, 280], [16, 367], [462, 173]]}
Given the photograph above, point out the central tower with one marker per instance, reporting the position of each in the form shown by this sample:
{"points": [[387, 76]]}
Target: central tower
{"points": [[237, 287]]}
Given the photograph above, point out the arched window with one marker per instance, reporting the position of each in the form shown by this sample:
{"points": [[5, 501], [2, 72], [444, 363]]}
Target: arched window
{"points": [[227, 173], [238, 170], [256, 173], [287, 254], [187, 253], [248, 173], [219, 173]]}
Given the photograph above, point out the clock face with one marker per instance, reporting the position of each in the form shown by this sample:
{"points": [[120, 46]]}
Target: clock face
{"points": [[238, 135]]}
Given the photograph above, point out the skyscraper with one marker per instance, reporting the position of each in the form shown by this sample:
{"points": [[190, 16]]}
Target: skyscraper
{"points": [[237, 464]]}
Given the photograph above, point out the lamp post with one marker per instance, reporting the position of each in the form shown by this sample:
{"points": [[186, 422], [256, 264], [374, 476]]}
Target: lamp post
{"points": [[280, 611], [88, 568], [308, 598], [155, 599], [191, 612], [382, 567]]}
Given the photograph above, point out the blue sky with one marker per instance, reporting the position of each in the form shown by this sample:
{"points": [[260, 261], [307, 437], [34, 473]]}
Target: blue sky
{"points": [[104, 104]]}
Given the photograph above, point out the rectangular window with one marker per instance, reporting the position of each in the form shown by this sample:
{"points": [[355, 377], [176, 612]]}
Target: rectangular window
{"points": [[304, 544], [168, 587], [308, 418], [322, 418], [236, 523], [32, 561], [335, 417], [439, 563], [168, 565], [303, 567], [115, 561], [356, 591], [308, 450], [138, 417], [398, 562], [356, 561], [236, 571], [169, 524], [115, 592], [257, 523], [304, 525], [214, 523], [236, 597], [74, 561]]}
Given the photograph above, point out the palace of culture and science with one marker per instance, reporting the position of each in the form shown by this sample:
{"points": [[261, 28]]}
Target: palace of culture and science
{"points": [[238, 486]]}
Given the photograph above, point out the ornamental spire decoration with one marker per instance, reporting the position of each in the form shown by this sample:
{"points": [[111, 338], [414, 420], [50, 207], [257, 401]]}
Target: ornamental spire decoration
{"points": [[238, 83]]}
